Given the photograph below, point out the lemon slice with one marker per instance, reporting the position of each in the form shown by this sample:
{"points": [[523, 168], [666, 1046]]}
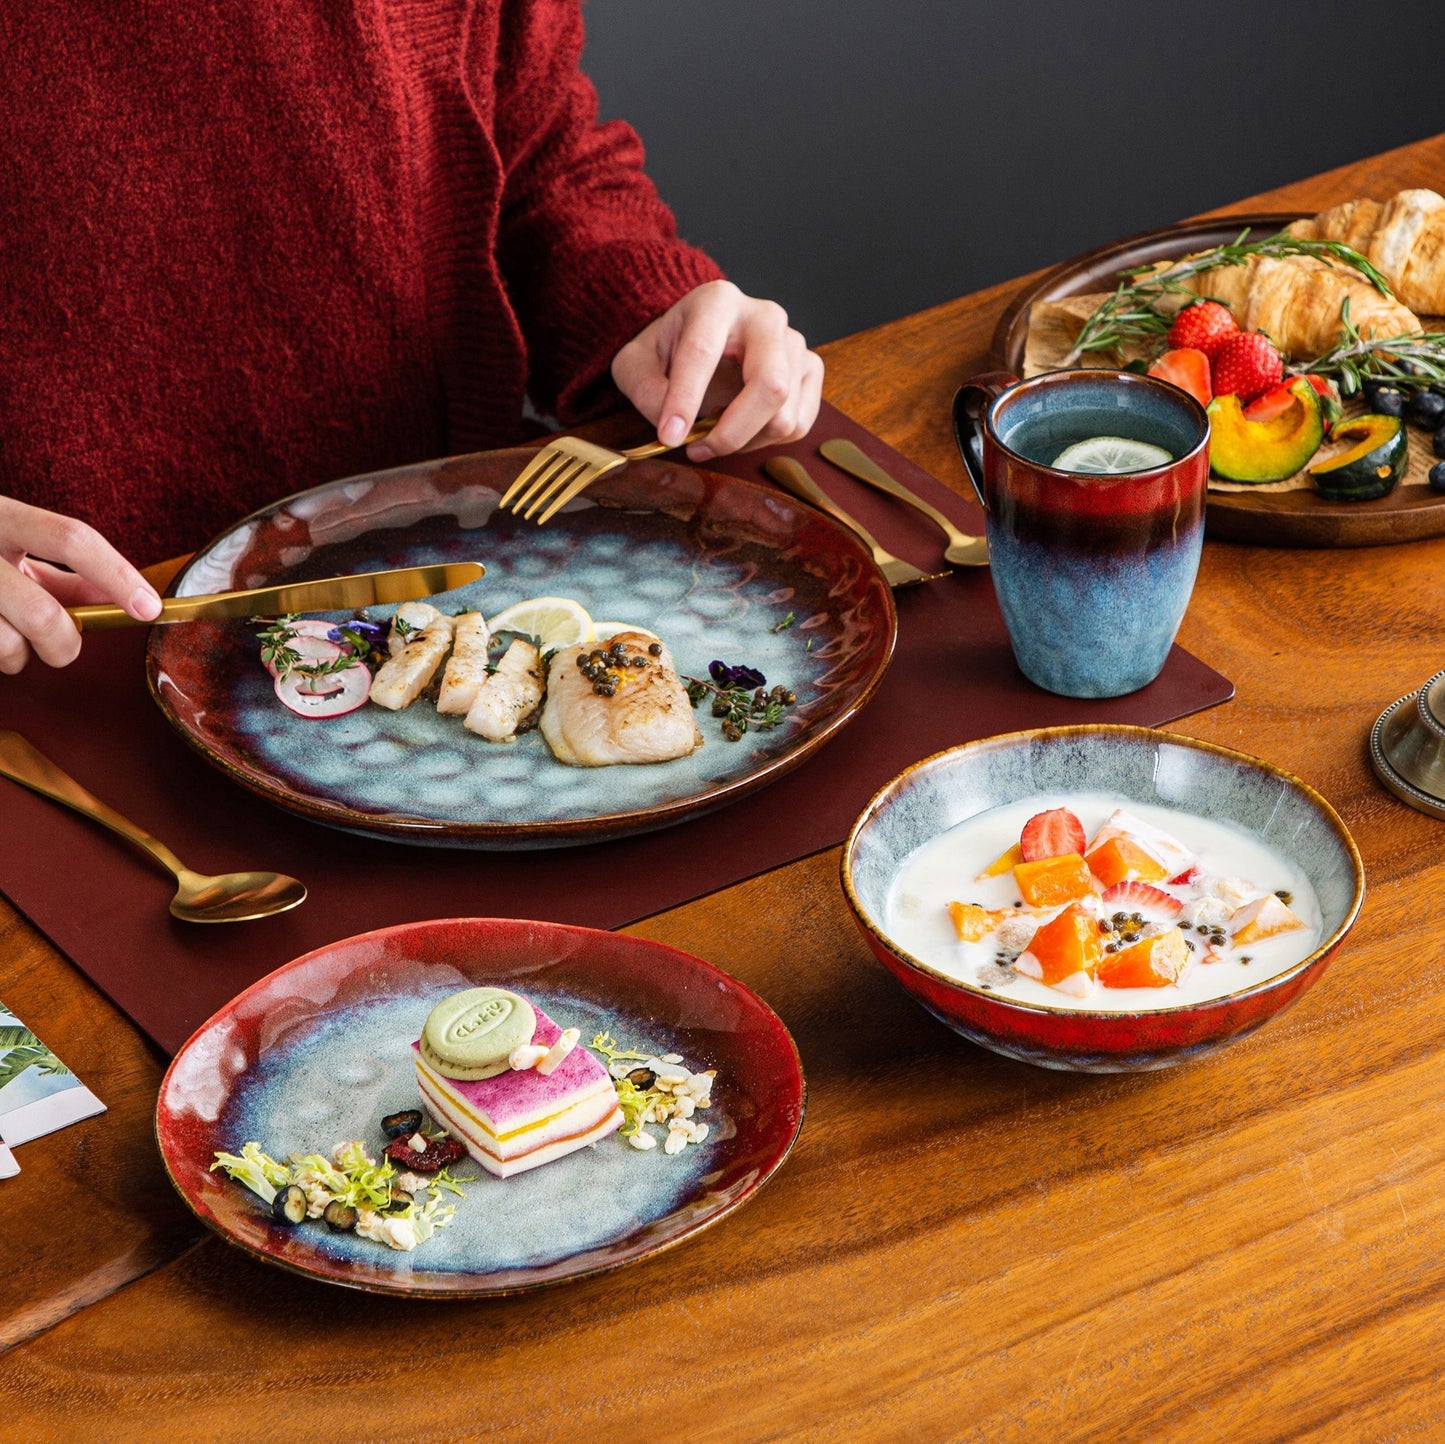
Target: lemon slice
{"points": [[1104, 455], [550, 622], [605, 631]]}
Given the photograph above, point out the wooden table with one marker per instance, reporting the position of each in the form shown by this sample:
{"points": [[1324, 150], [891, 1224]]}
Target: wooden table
{"points": [[960, 1246]]}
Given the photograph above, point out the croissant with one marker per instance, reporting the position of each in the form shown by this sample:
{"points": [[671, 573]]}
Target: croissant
{"points": [[1404, 239], [1296, 302]]}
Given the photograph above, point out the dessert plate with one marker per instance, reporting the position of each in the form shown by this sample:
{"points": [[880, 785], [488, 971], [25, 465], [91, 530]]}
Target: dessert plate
{"points": [[713, 564], [319, 1051], [1286, 518]]}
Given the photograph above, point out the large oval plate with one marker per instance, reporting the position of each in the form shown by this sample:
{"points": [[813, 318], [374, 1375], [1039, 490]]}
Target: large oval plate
{"points": [[320, 1050], [1286, 518], [711, 563]]}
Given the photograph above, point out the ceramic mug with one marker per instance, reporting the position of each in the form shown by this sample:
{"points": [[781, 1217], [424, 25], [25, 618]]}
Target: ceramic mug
{"points": [[1092, 571]]}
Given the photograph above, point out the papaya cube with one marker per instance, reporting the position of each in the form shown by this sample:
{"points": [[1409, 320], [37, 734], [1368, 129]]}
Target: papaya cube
{"points": [[1069, 944], [1150, 963], [1048, 882], [1260, 919], [972, 922], [1120, 859], [1003, 863]]}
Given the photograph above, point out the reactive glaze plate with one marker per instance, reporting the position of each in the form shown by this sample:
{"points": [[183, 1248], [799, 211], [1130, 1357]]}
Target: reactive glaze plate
{"points": [[711, 563], [1142, 764], [320, 1050]]}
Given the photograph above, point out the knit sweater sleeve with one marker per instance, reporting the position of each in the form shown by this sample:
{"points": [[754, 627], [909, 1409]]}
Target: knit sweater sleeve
{"points": [[589, 252]]}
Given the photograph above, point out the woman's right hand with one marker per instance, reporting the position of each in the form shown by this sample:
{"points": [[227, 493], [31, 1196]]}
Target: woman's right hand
{"points": [[34, 594]]}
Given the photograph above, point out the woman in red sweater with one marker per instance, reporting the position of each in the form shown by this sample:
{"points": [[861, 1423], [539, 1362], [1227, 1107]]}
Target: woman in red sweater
{"points": [[248, 248]]}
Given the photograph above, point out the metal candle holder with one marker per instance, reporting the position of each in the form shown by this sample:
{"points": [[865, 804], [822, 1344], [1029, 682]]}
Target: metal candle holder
{"points": [[1407, 747]]}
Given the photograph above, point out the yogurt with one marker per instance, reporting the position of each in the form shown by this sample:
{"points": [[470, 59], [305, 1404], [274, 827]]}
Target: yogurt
{"points": [[1233, 865]]}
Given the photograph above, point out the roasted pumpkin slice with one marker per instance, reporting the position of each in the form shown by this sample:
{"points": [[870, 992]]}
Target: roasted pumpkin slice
{"points": [[1268, 450], [1374, 458]]}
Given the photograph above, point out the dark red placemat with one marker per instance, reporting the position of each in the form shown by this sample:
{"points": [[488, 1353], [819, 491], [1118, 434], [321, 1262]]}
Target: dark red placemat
{"points": [[953, 679]]}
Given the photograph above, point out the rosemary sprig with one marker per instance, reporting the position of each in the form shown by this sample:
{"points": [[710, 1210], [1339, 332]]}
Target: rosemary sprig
{"points": [[1132, 313], [1412, 360]]}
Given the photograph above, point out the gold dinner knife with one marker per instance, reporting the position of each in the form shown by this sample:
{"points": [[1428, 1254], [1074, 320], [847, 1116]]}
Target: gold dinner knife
{"points": [[332, 594]]}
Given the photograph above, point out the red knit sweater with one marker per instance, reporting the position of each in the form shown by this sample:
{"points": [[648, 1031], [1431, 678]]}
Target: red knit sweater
{"points": [[249, 247]]}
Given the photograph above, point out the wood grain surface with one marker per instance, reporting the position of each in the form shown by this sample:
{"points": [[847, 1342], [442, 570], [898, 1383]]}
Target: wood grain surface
{"points": [[961, 1247]]}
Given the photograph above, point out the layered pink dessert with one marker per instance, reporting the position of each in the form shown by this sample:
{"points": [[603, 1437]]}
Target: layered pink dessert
{"points": [[521, 1119]]}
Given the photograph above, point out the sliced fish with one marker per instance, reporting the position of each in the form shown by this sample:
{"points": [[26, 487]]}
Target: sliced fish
{"points": [[419, 641], [467, 665], [510, 696]]}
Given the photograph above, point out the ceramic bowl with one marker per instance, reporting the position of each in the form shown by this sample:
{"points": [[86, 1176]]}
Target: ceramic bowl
{"points": [[1143, 765]]}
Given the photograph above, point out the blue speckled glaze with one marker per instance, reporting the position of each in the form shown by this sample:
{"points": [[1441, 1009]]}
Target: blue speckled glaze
{"points": [[1053, 601], [334, 1078], [626, 568]]}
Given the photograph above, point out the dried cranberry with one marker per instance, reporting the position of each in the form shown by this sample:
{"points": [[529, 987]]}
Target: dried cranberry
{"points": [[439, 1152]]}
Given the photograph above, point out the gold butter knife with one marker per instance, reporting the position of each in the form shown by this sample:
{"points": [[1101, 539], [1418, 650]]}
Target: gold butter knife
{"points": [[963, 550], [793, 477], [331, 594]]}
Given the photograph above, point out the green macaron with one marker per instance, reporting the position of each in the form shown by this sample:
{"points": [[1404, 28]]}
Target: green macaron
{"points": [[471, 1035]]}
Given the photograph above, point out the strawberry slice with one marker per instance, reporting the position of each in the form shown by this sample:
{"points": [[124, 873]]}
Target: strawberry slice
{"points": [[1141, 895], [1188, 369], [1180, 878], [1051, 834]]}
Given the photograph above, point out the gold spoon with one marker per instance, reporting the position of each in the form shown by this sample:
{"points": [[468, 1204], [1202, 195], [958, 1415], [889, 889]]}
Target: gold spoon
{"points": [[963, 550], [232, 897]]}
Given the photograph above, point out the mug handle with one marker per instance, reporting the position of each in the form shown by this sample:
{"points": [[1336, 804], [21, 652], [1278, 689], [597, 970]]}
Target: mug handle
{"points": [[970, 406]]}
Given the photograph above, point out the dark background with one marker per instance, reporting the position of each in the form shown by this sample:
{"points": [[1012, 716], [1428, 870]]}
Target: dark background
{"points": [[858, 160]]}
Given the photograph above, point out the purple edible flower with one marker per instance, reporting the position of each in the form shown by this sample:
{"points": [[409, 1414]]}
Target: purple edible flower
{"points": [[372, 633], [725, 676]]}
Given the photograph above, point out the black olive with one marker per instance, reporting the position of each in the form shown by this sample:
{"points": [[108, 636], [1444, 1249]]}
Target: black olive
{"points": [[289, 1205], [655, 648], [1384, 400], [400, 1198], [1425, 409], [642, 1078], [341, 1216], [403, 1124]]}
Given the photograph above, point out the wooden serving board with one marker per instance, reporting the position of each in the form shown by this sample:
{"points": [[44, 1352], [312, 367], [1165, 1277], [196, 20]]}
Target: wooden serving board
{"points": [[1285, 518]]}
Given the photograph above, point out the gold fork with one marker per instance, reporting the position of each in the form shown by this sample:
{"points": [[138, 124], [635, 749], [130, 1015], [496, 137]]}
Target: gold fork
{"points": [[567, 465], [793, 477]]}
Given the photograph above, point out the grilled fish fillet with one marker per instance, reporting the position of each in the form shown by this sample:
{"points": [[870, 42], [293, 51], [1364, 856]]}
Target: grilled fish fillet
{"points": [[420, 637], [467, 665], [510, 695], [648, 719]]}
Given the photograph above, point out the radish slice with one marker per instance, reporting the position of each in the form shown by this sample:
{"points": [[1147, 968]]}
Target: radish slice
{"points": [[311, 646], [331, 696]]}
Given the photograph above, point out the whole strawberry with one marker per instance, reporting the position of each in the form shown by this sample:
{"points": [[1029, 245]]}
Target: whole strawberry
{"points": [[1247, 366], [1204, 326]]}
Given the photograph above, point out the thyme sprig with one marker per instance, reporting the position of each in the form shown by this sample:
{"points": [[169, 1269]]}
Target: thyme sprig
{"points": [[740, 707], [1132, 314], [1412, 360], [276, 637]]}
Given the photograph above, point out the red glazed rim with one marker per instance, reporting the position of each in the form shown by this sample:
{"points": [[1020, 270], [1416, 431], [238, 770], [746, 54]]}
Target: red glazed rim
{"points": [[1143, 734], [676, 975]]}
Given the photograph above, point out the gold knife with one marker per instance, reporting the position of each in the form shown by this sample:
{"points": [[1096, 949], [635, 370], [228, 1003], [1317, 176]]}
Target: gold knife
{"points": [[331, 594]]}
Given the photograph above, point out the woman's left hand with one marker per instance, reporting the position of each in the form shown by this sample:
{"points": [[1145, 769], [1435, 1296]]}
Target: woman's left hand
{"points": [[717, 348]]}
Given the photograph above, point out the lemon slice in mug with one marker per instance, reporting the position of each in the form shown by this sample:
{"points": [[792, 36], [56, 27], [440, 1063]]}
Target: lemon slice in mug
{"points": [[1108, 455], [551, 622]]}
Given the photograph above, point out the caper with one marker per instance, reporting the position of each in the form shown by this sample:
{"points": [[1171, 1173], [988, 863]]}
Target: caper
{"points": [[637, 661], [655, 648], [642, 1078]]}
